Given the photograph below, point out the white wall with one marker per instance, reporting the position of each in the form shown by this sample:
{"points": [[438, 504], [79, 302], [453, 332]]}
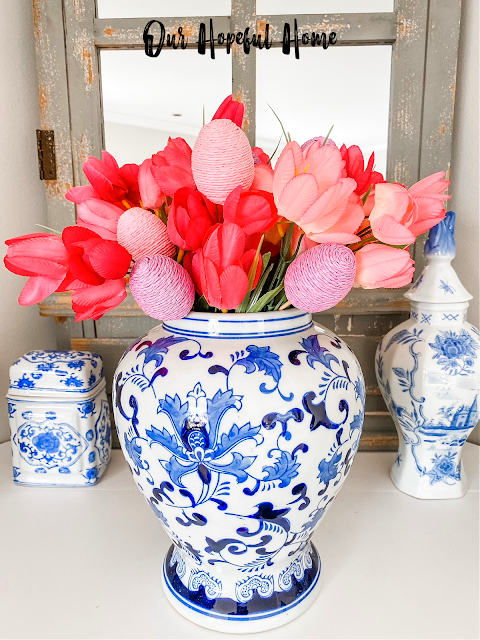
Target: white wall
{"points": [[465, 166], [23, 195]]}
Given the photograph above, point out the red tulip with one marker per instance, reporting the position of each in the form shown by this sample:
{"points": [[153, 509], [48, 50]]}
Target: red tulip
{"points": [[191, 216], [43, 258], [354, 167], [381, 266], [259, 156], [172, 167], [129, 173], [99, 216], [92, 302], [105, 177], [92, 259], [151, 194], [220, 269], [253, 211], [230, 109]]}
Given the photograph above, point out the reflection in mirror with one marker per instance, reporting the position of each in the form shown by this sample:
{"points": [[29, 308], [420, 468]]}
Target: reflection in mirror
{"points": [[146, 100], [347, 87], [280, 7], [161, 8]]}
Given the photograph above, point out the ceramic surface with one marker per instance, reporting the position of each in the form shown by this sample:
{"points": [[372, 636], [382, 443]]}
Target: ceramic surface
{"points": [[240, 430], [428, 370], [59, 418]]}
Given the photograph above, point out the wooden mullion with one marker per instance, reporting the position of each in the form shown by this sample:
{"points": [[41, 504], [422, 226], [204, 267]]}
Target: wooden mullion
{"points": [[127, 33], [54, 113], [244, 70], [439, 96], [84, 85], [350, 28]]}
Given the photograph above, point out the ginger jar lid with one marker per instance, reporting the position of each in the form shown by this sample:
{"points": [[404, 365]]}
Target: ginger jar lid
{"points": [[438, 282], [56, 373]]}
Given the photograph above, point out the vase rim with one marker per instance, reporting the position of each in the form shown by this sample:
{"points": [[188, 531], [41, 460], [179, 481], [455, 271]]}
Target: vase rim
{"points": [[237, 325]]}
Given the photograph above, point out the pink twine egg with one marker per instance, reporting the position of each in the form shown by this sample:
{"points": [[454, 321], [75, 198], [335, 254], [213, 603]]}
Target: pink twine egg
{"points": [[320, 139], [321, 277], [143, 234], [222, 160], [162, 288]]}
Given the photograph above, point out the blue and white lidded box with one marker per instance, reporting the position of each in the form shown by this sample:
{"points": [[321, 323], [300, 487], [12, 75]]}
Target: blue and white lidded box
{"points": [[59, 418]]}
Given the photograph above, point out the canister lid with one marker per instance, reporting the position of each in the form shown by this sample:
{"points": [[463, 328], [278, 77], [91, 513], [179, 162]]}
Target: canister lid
{"points": [[54, 373]]}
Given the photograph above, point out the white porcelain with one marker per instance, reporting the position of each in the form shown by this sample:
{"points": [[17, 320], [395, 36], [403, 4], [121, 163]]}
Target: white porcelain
{"points": [[240, 430], [59, 418], [428, 371]]}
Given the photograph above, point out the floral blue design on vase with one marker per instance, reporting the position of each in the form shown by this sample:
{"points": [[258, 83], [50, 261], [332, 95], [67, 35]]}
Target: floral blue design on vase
{"points": [[59, 418], [429, 377], [239, 453]]}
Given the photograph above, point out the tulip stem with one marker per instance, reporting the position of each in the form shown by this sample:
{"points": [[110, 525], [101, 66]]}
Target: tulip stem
{"points": [[181, 253], [327, 136]]}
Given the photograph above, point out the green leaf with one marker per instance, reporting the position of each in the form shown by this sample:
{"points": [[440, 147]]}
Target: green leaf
{"points": [[283, 128], [265, 260], [327, 136], [201, 304], [260, 285], [364, 198], [265, 299], [242, 307]]}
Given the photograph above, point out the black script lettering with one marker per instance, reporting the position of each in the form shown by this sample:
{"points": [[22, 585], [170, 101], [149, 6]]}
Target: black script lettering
{"points": [[230, 41], [295, 37], [148, 39], [201, 39], [239, 37], [212, 41], [286, 39], [221, 39]]}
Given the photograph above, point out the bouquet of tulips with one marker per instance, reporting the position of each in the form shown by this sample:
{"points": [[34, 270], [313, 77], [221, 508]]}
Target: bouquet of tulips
{"points": [[222, 227]]}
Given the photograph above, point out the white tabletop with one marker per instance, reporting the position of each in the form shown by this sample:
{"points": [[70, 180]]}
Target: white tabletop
{"points": [[86, 562]]}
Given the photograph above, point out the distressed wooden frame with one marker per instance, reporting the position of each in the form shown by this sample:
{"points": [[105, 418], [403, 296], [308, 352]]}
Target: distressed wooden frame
{"points": [[424, 37]]}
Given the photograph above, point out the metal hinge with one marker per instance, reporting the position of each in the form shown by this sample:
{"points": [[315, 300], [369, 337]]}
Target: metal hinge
{"points": [[47, 165]]}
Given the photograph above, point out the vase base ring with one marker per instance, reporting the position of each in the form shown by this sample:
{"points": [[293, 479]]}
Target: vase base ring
{"points": [[228, 616]]}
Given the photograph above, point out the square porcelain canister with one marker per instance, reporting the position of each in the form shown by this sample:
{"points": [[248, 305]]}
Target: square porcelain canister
{"points": [[59, 418]]}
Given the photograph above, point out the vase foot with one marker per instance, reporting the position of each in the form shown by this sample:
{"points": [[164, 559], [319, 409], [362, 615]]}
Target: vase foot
{"points": [[422, 489], [257, 615]]}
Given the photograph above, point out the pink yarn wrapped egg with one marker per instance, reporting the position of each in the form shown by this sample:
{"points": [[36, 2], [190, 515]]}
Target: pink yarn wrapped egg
{"points": [[320, 139], [321, 277], [222, 160], [162, 288], [143, 234]]}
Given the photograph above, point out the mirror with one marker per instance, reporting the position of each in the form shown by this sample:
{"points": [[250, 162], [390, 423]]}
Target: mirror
{"points": [[146, 100], [325, 88]]}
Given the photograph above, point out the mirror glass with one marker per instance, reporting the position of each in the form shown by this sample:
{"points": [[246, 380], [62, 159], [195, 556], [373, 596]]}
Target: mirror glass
{"points": [[280, 7], [161, 8], [146, 100], [347, 87]]}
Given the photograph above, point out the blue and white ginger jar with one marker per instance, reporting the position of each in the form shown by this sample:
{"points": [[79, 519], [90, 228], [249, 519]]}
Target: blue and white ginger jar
{"points": [[240, 430], [428, 370], [59, 418]]}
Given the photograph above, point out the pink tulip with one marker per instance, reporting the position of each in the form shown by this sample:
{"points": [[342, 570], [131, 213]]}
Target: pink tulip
{"points": [[43, 258], [310, 189], [99, 216], [381, 266], [105, 177], [400, 214], [93, 301], [172, 167], [79, 194], [230, 109], [263, 177], [150, 193]]}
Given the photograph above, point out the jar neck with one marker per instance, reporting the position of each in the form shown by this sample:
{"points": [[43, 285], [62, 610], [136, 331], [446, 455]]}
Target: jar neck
{"points": [[238, 325], [443, 315]]}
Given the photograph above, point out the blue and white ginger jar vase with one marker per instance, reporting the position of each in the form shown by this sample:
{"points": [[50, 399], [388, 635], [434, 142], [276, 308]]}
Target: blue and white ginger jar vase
{"points": [[428, 370], [240, 430], [59, 419]]}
